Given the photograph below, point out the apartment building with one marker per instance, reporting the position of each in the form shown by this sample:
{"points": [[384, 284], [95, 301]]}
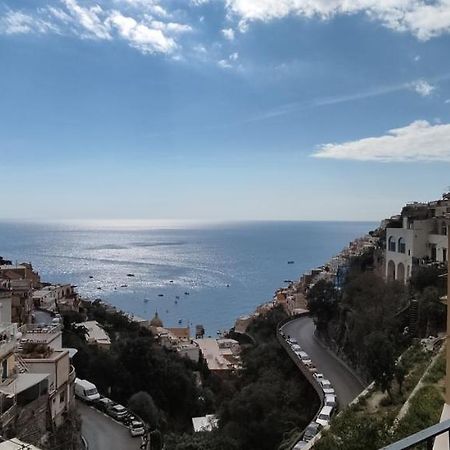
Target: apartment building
{"points": [[417, 236]]}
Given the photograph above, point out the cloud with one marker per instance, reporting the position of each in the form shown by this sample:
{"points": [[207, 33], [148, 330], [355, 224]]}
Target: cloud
{"points": [[140, 36], [136, 26], [16, 22], [89, 19], [228, 62], [228, 33], [422, 87], [418, 141], [422, 18]]}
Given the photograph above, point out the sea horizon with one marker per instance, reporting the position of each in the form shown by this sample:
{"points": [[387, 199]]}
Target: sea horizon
{"points": [[206, 274]]}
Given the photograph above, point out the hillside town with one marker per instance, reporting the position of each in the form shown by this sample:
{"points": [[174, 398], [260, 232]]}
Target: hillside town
{"points": [[38, 385]]}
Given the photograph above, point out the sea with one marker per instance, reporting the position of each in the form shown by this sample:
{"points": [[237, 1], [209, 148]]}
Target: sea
{"points": [[189, 272]]}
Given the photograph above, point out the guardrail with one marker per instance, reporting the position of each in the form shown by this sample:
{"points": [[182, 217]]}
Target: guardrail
{"points": [[425, 436]]}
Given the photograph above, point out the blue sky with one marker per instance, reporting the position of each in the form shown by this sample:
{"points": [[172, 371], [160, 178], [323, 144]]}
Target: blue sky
{"points": [[222, 109]]}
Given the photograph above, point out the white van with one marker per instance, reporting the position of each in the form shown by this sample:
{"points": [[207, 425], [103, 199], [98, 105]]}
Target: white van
{"points": [[324, 416], [86, 390]]}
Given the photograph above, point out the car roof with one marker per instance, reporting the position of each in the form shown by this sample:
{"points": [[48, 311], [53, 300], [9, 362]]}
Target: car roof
{"points": [[326, 410]]}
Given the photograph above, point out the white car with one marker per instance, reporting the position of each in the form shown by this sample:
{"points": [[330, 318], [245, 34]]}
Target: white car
{"points": [[328, 391], [137, 428], [325, 383], [296, 348], [330, 400], [324, 416]]}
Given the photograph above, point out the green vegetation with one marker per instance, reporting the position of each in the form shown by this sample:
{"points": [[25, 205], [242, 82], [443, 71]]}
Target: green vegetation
{"points": [[136, 363]]}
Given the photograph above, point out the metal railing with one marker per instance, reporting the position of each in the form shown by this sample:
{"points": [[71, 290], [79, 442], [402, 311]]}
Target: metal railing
{"points": [[425, 436]]}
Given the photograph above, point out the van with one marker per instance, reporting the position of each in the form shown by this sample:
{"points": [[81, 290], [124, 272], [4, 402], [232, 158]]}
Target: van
{"points": [[86, 390], [324, 416]]}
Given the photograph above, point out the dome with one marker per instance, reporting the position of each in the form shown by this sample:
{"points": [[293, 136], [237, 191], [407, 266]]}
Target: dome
{"points": [[156, 321]]}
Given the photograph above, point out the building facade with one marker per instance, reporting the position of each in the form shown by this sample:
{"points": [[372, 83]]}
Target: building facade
{"points": [[418, 236]]}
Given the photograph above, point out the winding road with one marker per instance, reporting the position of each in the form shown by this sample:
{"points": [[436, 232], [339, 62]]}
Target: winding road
{"points": [[103, 433], [346, 385]]}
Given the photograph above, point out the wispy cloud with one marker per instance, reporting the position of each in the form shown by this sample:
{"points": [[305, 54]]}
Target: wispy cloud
{"points": [[422, 18], [17, 22], [422, 87], [418, 141], [228, 33], [136, 26]]}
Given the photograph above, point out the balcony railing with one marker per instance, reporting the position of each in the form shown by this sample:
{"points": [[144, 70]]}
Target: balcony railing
{"points": [[422, 437]]}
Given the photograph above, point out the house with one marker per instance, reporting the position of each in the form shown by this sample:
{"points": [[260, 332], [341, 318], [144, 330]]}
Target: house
{"points": [[221, 355], [53, 296], [96, 335], [418, 236]]}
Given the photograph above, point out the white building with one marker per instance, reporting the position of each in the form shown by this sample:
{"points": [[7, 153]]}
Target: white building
{"points": [[418, 236]]}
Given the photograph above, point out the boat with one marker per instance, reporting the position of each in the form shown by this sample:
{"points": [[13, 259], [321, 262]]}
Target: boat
{"points": [[171, 281], [291, 262], [288, 281], [228, 285], [90, 276], [186, 293], [180, 321], [176, 302], [160, 295], [146, 300], [124, 285], [177, 297], [130, 274]]}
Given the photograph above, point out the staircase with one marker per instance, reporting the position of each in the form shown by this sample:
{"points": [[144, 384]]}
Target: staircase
{"points": [[413, 317], [21, 365]]}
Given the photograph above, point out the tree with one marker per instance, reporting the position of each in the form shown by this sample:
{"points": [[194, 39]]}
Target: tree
{"points": [[143, 405], [322, 299], [380, 360]]}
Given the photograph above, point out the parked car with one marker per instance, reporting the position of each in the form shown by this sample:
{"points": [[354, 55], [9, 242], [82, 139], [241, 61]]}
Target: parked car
{"points": [[311, 430], [330, 400], [104, 404], [299, 445], [325, 383], [324, 416], [328, 391], [304, 356], [136, 428], [318, 376], [85, 390], [296, 348], [129, 418], [292, 341], [118, 412]]}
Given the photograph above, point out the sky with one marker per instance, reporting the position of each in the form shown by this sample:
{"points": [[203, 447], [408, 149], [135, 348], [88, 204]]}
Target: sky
{"points": [[222, 109]]}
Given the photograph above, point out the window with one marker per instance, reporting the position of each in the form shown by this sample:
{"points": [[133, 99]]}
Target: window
{"points": [[391, 244], [444, 254], [401, 245], [61, 397]]}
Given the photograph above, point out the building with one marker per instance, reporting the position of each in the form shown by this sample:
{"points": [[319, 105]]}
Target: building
{"points": [[204, 423], [221, 355], [16, 444], [418, 236], [56, 296], [96, 335], [22, 271]]}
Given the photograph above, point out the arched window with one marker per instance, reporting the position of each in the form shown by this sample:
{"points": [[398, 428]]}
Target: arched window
{"points": [[401, 272], [391, 244], [401, 245]]}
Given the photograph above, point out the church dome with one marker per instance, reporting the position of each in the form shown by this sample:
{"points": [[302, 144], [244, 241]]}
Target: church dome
{"points": [[156, 321]]}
